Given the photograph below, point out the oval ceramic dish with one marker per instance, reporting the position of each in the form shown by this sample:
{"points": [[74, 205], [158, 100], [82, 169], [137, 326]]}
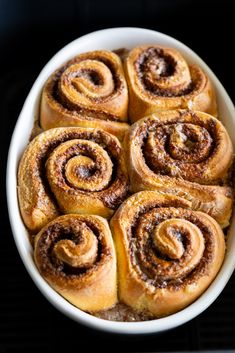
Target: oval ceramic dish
{"points": [[113, 38]]}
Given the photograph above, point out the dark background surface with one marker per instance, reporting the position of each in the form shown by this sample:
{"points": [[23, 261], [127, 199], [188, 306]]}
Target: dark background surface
{"points": [[30, 33]]}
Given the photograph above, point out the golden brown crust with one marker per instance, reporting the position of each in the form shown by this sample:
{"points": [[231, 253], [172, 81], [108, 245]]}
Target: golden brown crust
{"points": [[183, 153], [167, 254], [159, 78], [88, 91], [80, 170], [169, 248], [75, 254]]}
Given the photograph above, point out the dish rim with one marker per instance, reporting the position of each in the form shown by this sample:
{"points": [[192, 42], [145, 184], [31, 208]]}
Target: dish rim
{"points": [[142, 327]]}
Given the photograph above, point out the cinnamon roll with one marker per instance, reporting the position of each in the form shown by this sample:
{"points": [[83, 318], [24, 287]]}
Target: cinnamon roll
{"points": [[159, 78], [88, 91], [75, 254], [167, 253], [71, 170], [185, 153]]}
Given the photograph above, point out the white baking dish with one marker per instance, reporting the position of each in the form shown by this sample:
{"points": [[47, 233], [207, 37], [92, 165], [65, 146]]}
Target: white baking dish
{"points": [[113, 38]]}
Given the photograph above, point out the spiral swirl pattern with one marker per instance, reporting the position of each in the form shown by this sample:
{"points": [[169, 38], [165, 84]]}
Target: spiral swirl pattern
{"points": [[168, 235], [71, 170], [185, 153], [89, 91], [159, 78], [75, 254], [168, 254]]}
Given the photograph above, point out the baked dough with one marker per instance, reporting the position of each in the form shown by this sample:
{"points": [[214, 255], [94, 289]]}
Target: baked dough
{"points": [[71, 170], [167, 253], [184, 153], [76, 256], [88, 91], [159, 78]]}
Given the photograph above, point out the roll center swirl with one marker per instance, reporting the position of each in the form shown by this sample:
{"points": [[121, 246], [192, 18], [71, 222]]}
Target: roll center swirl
{"points": [[167, 239], [81, 164], [168, 247], [80, 255], [189, 143], [90, 78], [159, 67], [163, 72], [174, 149], [78, 169]]}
